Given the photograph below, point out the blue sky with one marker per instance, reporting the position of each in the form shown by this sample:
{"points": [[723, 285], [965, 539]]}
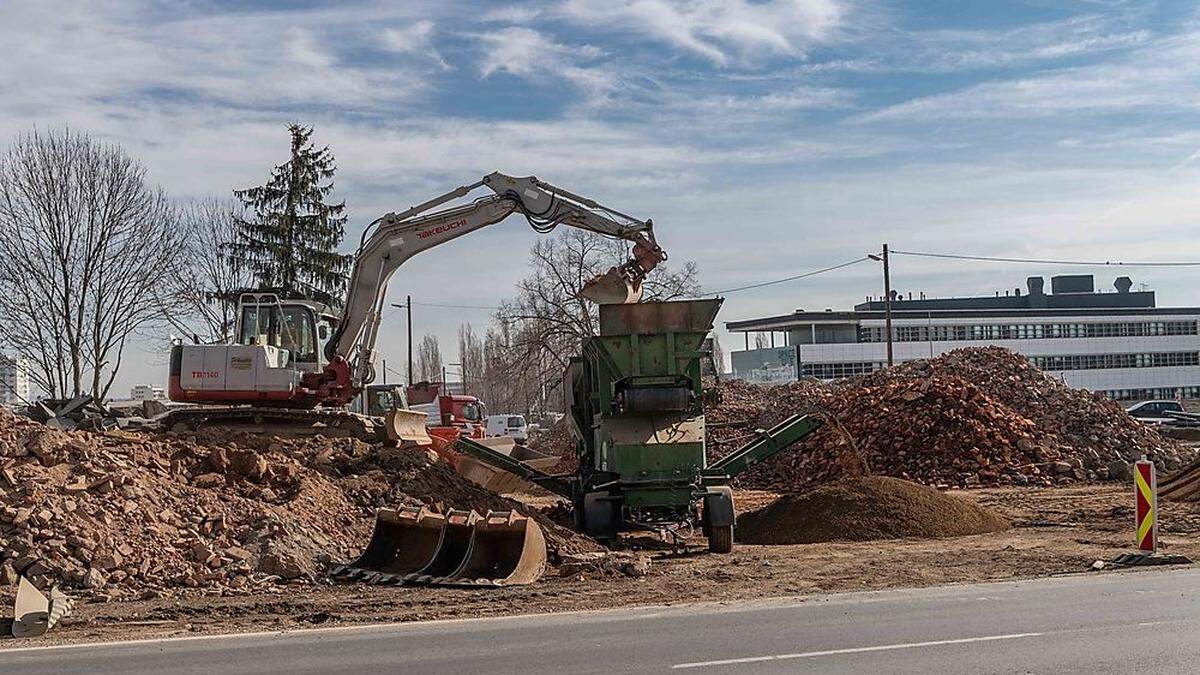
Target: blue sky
{"points": [[764, 138]]}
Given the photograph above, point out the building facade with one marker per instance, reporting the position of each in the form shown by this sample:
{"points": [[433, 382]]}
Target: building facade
{"points": [[15, 387], [147, 392], [1117, 342]]}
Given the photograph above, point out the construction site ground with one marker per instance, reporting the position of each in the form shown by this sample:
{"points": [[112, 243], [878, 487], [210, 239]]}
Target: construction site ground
{"points": [[1059, 530]]}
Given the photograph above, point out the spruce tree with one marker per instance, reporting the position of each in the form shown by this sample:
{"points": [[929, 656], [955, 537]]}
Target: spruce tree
{"points": [[291, 242]]}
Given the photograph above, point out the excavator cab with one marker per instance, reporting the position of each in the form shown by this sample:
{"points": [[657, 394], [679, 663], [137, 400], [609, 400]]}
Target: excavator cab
{"points": [[299, 328]]}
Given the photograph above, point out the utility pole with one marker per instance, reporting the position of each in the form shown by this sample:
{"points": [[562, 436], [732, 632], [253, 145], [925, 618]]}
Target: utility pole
{"points": [[887, 300], [408, 306], [887, 304]]}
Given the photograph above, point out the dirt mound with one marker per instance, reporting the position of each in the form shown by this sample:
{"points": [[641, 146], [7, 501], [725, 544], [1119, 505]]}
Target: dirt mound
{"points": [[976, 416], [129, 515], [863, 509]]}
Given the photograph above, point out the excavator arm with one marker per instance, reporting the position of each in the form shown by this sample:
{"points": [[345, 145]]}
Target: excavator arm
{"points": [[396, 237]]}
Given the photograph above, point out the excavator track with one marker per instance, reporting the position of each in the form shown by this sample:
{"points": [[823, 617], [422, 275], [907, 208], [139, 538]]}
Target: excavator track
{"points": [[277, 421]]}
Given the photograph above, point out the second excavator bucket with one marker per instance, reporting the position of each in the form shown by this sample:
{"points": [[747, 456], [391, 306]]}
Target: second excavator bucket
{"points": [[407, 426], [455, 546], [402, 543], [34, 612], [417, 546], [611, 288], [509, 549]]}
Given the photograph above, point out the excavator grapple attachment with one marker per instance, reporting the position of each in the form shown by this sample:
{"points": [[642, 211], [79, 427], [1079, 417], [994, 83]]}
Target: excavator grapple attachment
{"points": [[461, 548], [611, 288], [407, 426]]}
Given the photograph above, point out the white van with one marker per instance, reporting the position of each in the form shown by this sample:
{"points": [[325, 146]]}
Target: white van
{"points": [[508, 425]]}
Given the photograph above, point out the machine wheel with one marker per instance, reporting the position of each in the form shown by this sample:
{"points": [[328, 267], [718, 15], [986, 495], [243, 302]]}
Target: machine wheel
{"points": [[599, 516], [720, 539], [718, 519]]}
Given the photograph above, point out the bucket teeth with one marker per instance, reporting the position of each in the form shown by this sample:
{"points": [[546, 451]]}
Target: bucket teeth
{"points": [[460, 548]]}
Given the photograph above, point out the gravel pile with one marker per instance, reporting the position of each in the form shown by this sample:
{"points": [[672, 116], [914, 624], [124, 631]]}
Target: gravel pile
{"points": [[976, 416], [123, 515]]}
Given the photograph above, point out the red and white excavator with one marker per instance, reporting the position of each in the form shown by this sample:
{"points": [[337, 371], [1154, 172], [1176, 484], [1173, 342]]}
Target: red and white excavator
{"points": [[297, 363]]}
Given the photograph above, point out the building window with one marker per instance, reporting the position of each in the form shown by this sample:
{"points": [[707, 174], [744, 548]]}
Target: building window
{"points": [[985, 332], [834, 371], [1104, 361], [1159, 392]]}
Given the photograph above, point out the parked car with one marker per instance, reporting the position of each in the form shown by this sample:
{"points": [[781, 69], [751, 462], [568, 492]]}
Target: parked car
{"points": [[1152, 411], [508, 425]]}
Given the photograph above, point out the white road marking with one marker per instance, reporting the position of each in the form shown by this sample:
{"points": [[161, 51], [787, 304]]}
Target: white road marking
{"points": [[855, 650]]}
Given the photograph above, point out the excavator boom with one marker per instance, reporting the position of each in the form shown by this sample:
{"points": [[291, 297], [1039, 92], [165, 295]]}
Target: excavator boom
{"points": [[396, 237]]}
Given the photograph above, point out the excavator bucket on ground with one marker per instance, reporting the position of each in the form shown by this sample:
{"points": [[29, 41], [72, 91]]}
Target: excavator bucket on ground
{"points": [[407, 426], [611, 288], [509, 549], [402, 543], [453, 549], [35, 613], [461, 548]]}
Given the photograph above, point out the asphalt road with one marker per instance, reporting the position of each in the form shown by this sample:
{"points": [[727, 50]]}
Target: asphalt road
{"points": [[1110, 623]]}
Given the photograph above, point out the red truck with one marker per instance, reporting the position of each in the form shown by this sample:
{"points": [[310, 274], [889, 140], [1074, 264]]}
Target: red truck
{"points": [[463, 414]]}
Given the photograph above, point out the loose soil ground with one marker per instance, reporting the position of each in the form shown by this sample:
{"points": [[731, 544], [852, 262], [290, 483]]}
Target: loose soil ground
{"points": [[1054, 531], [865, 509]]}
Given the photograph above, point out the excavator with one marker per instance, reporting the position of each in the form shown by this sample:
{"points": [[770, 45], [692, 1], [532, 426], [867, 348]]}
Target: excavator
{"points": [[295, 363]]}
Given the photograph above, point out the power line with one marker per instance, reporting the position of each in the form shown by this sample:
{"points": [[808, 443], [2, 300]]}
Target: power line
{"points": [[813, 273], [1041, 261], [439, 304]]}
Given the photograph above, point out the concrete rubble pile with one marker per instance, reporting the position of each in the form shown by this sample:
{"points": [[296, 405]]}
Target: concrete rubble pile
{"points": [[121, 515], [974, 416]]}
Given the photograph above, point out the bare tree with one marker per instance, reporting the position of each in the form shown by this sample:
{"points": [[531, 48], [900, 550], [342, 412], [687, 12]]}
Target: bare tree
{"points": [[210, 279], [429, 359], [760, 341], [718, 355], [470, 356], [543, 326], [88, 254]]}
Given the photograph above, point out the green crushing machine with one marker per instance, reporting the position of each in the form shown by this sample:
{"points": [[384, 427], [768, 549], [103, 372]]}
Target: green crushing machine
{"points": [[635, 403]]}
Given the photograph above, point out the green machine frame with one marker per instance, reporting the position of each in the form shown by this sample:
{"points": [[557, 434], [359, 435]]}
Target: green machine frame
{"points": [[635, 404]]}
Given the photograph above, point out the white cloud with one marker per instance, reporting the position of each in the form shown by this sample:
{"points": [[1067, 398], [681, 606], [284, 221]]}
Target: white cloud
{"points": [[717, 30], [511, 15], [416, 39], [64, 58], [1161, 76], [527, 53], [956, 50]]}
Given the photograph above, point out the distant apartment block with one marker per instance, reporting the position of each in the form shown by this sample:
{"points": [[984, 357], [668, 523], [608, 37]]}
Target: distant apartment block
{"points": [[15, 387], [147, 392], [1116, 342]]}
